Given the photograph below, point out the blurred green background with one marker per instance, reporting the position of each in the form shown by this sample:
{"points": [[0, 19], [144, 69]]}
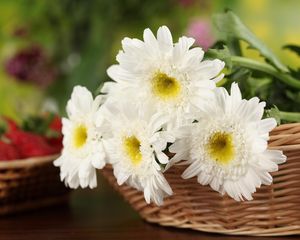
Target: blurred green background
{"points": [[47, 47]]}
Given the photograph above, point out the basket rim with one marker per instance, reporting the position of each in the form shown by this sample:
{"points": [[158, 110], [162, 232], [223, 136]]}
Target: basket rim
{"points": [[285, 125], [28, 162]]}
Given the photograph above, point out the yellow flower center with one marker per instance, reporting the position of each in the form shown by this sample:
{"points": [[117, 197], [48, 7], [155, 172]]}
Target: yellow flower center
{"points": [[220, 147], [132, 149], [165, 87], [79, 136]]}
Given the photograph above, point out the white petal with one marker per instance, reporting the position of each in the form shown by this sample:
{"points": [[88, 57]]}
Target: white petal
{"points": [[204, 178], [147, 195], [121, 176], [85, 169], [164, 37], [98, 160], [108, 87], [268, 165], [157, 121], [193, 56], [267, 125], [118, 74], [235, 92], [80, 103], [181, 48], [151, 43], [208, 69], [93, 180], [162, 158], [276, 156], [259, 145], [193, 170]]}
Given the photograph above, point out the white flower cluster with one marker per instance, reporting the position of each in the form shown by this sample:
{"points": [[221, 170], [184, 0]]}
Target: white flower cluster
{"points": [[164, 100]]}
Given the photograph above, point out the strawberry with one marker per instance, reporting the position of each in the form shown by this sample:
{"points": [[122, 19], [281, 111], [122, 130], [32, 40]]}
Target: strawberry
{"points": [[30, 144], [56, 139], [7, 125], [12, 125], [56, 124], [56, 143], [8, 151]]}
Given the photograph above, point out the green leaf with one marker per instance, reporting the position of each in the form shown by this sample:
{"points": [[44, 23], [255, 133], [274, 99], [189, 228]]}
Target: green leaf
{"points": [[293, 48], [273, 113], [38, 124], [260, 86], [253, 65], [266, 68], [233, 28], [222, 54], [282, 117], [290, 116], [240, 75], [294, 96]]}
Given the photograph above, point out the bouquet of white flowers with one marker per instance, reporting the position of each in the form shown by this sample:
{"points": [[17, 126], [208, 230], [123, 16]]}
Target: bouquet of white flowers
{"points": [[165, 107]]}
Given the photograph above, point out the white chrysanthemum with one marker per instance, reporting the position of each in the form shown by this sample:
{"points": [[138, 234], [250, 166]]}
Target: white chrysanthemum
{"points": [[172, 77], [136, 149], [83, 148], [227, 147]]}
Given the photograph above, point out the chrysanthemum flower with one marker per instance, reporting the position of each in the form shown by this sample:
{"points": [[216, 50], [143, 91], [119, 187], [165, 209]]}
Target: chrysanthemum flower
{"points": [[83, 150], [136, 149], [171, 77], [227, 147]]}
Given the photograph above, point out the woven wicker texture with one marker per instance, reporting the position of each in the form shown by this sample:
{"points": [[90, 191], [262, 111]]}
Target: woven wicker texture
{"points": [[274, 211], [30, 183]]}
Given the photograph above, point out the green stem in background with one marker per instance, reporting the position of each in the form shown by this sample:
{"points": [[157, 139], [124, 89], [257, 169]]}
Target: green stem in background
{"points": [[290, 116], [267, 68], [234, 46]]}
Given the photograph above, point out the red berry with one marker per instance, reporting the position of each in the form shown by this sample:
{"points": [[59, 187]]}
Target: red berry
{"points": [[30, 145], [56, 124], [56, 142], [12, 125], [8, 151], [7, 125]]}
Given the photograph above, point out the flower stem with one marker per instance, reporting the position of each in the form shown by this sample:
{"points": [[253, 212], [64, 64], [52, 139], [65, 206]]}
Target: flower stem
{"points": [[266, 68], [290, 116]]}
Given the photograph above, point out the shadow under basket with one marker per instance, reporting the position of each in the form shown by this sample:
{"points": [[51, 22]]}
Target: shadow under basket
{"points": [[30, 184], [275, 210]]}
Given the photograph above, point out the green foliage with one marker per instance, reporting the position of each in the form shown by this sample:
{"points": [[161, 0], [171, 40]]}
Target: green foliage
{"points": [[233, 28], [293, 48], [36, 124], [84, 36], [271, 81], [274, 113], [222, 53], [80, 35], [39, 125]]}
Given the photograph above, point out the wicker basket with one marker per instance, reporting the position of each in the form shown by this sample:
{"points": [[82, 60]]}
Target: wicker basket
{"points": [[274, 211], [29, 184]]}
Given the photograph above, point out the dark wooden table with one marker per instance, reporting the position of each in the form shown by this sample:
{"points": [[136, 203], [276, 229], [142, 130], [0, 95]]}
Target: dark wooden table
{"points": [[95, 214]]}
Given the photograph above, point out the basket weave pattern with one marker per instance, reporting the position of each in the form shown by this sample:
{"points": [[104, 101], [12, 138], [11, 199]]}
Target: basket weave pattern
{"points": [[30, 183], [275, 209]]}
